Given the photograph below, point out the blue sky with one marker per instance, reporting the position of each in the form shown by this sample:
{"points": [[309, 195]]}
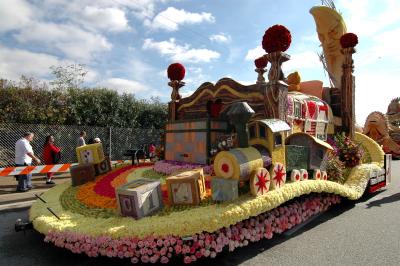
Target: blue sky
{"points": [[127, 45]]}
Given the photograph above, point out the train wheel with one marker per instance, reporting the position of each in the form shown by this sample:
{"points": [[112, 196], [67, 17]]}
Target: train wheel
{"points": [[317, 174], [295, 175], [303, 174], [278, 176], [260, 181], [324, 175]]}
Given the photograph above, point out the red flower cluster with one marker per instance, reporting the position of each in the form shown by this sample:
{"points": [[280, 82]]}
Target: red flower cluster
{"points": [[348, 40], [276, 38], [176, 71], [261, 62]]}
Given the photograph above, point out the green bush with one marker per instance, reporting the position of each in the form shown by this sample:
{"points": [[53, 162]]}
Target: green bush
{"points": [[88, 106]]}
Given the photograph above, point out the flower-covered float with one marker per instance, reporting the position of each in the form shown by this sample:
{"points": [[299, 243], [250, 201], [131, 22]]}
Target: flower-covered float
{"points": [[242, 163]]}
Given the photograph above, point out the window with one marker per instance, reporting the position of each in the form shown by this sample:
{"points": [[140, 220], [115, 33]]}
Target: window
{"points": [[297, 109], [262, 132], [277, 140], [252, 131]]}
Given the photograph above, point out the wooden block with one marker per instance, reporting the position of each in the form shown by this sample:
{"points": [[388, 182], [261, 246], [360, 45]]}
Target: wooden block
{"points": [[186, 187], [224, 189], [92, 153], [82, 174], [139, 198], [103, 167]]}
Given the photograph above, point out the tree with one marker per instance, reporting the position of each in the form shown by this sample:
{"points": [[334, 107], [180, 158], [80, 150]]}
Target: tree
{"points": [[70, 76]]}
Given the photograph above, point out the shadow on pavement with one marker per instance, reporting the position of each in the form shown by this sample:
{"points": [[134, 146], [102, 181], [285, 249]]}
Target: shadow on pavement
{"points": [[385, 200]]}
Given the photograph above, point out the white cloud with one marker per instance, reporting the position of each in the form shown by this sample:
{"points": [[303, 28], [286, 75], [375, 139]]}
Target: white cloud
{"points": [[16, 62], [255, 53], [110, 19], [374, 90], [303, 60], [74, 42], [123, 85], [221, 38], [366, 18], [180, 53], [171, 18], [14, 14]]}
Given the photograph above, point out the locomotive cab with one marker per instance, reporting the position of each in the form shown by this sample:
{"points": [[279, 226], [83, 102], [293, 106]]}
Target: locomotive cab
{"points": [[271, 134]]}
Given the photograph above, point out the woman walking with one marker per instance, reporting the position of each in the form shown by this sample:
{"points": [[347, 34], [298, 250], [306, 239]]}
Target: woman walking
{"points": [[51, 155]]}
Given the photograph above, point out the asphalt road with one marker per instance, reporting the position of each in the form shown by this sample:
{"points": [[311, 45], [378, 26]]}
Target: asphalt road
{"points": [[366, 232]]}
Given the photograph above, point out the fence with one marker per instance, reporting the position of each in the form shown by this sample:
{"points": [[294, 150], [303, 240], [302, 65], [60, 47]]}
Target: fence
{"points": [[115, 140]]}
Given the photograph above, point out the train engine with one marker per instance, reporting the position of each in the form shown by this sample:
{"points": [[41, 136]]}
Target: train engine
{"points": [[266, 155]]}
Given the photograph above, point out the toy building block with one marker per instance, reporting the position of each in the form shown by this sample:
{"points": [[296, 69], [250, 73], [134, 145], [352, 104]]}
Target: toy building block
{"points": [[82, 174], [260, 182], [139, 198], [224, 189], [92, 153], [103, 167], [186, 187]]}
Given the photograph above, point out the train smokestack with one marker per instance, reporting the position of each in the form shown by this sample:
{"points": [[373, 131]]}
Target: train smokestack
{"points": [[239, 114]]}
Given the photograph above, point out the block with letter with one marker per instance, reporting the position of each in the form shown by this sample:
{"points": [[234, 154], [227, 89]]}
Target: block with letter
{"points": [[103, 167], [186, 187], [92, 153], [224, 189], [82, 174], [139, 198]]}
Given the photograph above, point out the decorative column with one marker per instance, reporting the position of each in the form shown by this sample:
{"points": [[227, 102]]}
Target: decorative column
{"points": [[348, 42], [175, 97], [276, 41], [176, 72], [277, 89], [261, 64]]}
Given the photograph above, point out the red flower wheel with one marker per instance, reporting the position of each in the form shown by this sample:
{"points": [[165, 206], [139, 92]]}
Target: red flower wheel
{"points": [[324, 175], [260, 182], [295, 175], [317, 174], [303, 174], [278, 176]]}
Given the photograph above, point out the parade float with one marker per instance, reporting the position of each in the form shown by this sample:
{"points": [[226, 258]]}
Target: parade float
{"points": [[241, 164], [385, 128]]}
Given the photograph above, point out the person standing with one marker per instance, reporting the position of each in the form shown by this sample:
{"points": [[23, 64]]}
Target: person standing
{"points": [[51, 155], [81, 140], [23, 157]]}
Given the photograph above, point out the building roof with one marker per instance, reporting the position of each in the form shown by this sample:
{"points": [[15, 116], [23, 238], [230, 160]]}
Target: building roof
{"points": [[276, 125], [317, 141]]}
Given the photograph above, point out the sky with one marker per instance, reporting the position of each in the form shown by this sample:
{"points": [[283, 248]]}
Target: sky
{"points": [[127, 45]]}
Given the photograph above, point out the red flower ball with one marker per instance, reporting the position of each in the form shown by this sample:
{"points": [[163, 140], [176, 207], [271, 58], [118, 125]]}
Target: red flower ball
{"points": [[348, 40], [176, 71], [261, 62], [276, 38]]}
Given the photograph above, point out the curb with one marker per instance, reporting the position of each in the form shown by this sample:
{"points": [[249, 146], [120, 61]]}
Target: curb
{"points": [[16, 206]]}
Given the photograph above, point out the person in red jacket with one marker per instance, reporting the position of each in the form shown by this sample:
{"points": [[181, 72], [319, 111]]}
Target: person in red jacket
{"points": [[51, 155]]}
